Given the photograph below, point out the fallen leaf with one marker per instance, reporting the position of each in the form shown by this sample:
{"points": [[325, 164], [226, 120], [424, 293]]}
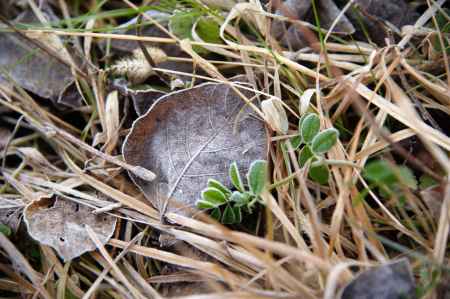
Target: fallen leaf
{"points": [[289, 34], [393, 280], [187, 137], [61, 224], [373, 13], [11, 212], [34, 69], [144, 99]]}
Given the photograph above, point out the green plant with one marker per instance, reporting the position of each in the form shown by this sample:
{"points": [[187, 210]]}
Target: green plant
{"points": [[312, 145], [388, 177], [228, 206]]}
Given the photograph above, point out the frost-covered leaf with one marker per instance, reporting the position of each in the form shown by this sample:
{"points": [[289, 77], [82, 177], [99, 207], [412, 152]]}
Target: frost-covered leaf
{"points": [[61, 224], [11, 212], [36, 70], [189, 136]]}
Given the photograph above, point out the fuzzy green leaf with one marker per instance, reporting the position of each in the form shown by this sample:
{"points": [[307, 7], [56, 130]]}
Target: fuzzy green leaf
{"points": [[240, 199], [216, 214], [235, 177], [296, 142], [228, 216], [218, 185], [257, 176], [310, 127], [305, 155], [238, 214], [319, 174], [214, 196], [324, 141], [205, 205]]}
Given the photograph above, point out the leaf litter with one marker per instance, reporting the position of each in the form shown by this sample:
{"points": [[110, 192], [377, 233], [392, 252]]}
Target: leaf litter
{"points": [[189, 136]]}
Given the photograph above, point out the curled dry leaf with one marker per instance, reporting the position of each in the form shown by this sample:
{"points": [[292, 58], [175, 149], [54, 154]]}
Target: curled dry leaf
{"points": [[189, 136], [61, 224]]}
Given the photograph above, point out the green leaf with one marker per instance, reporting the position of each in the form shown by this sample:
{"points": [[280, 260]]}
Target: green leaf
{"points": [[257, 176], [240, 199], [310, 127], [426, 181], [324, 141], [218, 185], [216, 214], [305, 155], [296, 141], [208, 30], [238, 214], [228, 216], [379, 171], [319, 174], [407, 177], [4, 229], [235, 177], [214, 196], [383, 173], [181, 24], [205, 205]]}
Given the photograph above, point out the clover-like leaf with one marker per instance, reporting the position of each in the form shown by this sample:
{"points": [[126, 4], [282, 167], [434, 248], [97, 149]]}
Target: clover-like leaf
{"points": [[216, 214], [214, 196], [190, 136], [257, 176], [240, 199], [218, 185], [324, 141], [319, 174], [310, 127], [228, 216], [61, 224], [237, 214], [305, 155], [296, 142], [235, 177]]}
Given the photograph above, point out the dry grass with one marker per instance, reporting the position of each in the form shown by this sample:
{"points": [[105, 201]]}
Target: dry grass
{"points": [[311, 237]]}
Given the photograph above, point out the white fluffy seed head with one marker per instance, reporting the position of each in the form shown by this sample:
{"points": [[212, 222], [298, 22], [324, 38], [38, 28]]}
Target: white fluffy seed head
{"points": [[136, 67]]}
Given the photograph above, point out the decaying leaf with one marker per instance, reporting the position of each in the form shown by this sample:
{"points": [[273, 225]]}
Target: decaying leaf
{"points": [[11, 212], [290, 35], [33, 68], [393, 280], [61, 224], [189, 136], [374, 13]]}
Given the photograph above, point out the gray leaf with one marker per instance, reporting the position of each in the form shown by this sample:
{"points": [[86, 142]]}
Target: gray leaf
{"points": [[187, 137], [390, 281], [61, 225]]}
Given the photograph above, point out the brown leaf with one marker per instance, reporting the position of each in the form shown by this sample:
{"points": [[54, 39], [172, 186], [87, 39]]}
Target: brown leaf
{"points": [[61, 224], [187, 137]]}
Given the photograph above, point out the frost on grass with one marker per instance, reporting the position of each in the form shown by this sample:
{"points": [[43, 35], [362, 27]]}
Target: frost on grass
{"points": [[61, 224], [190, 136]]}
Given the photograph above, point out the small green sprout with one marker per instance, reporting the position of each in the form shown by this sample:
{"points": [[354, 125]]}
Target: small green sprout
{"points": [[315, 144], [228, 206]]}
